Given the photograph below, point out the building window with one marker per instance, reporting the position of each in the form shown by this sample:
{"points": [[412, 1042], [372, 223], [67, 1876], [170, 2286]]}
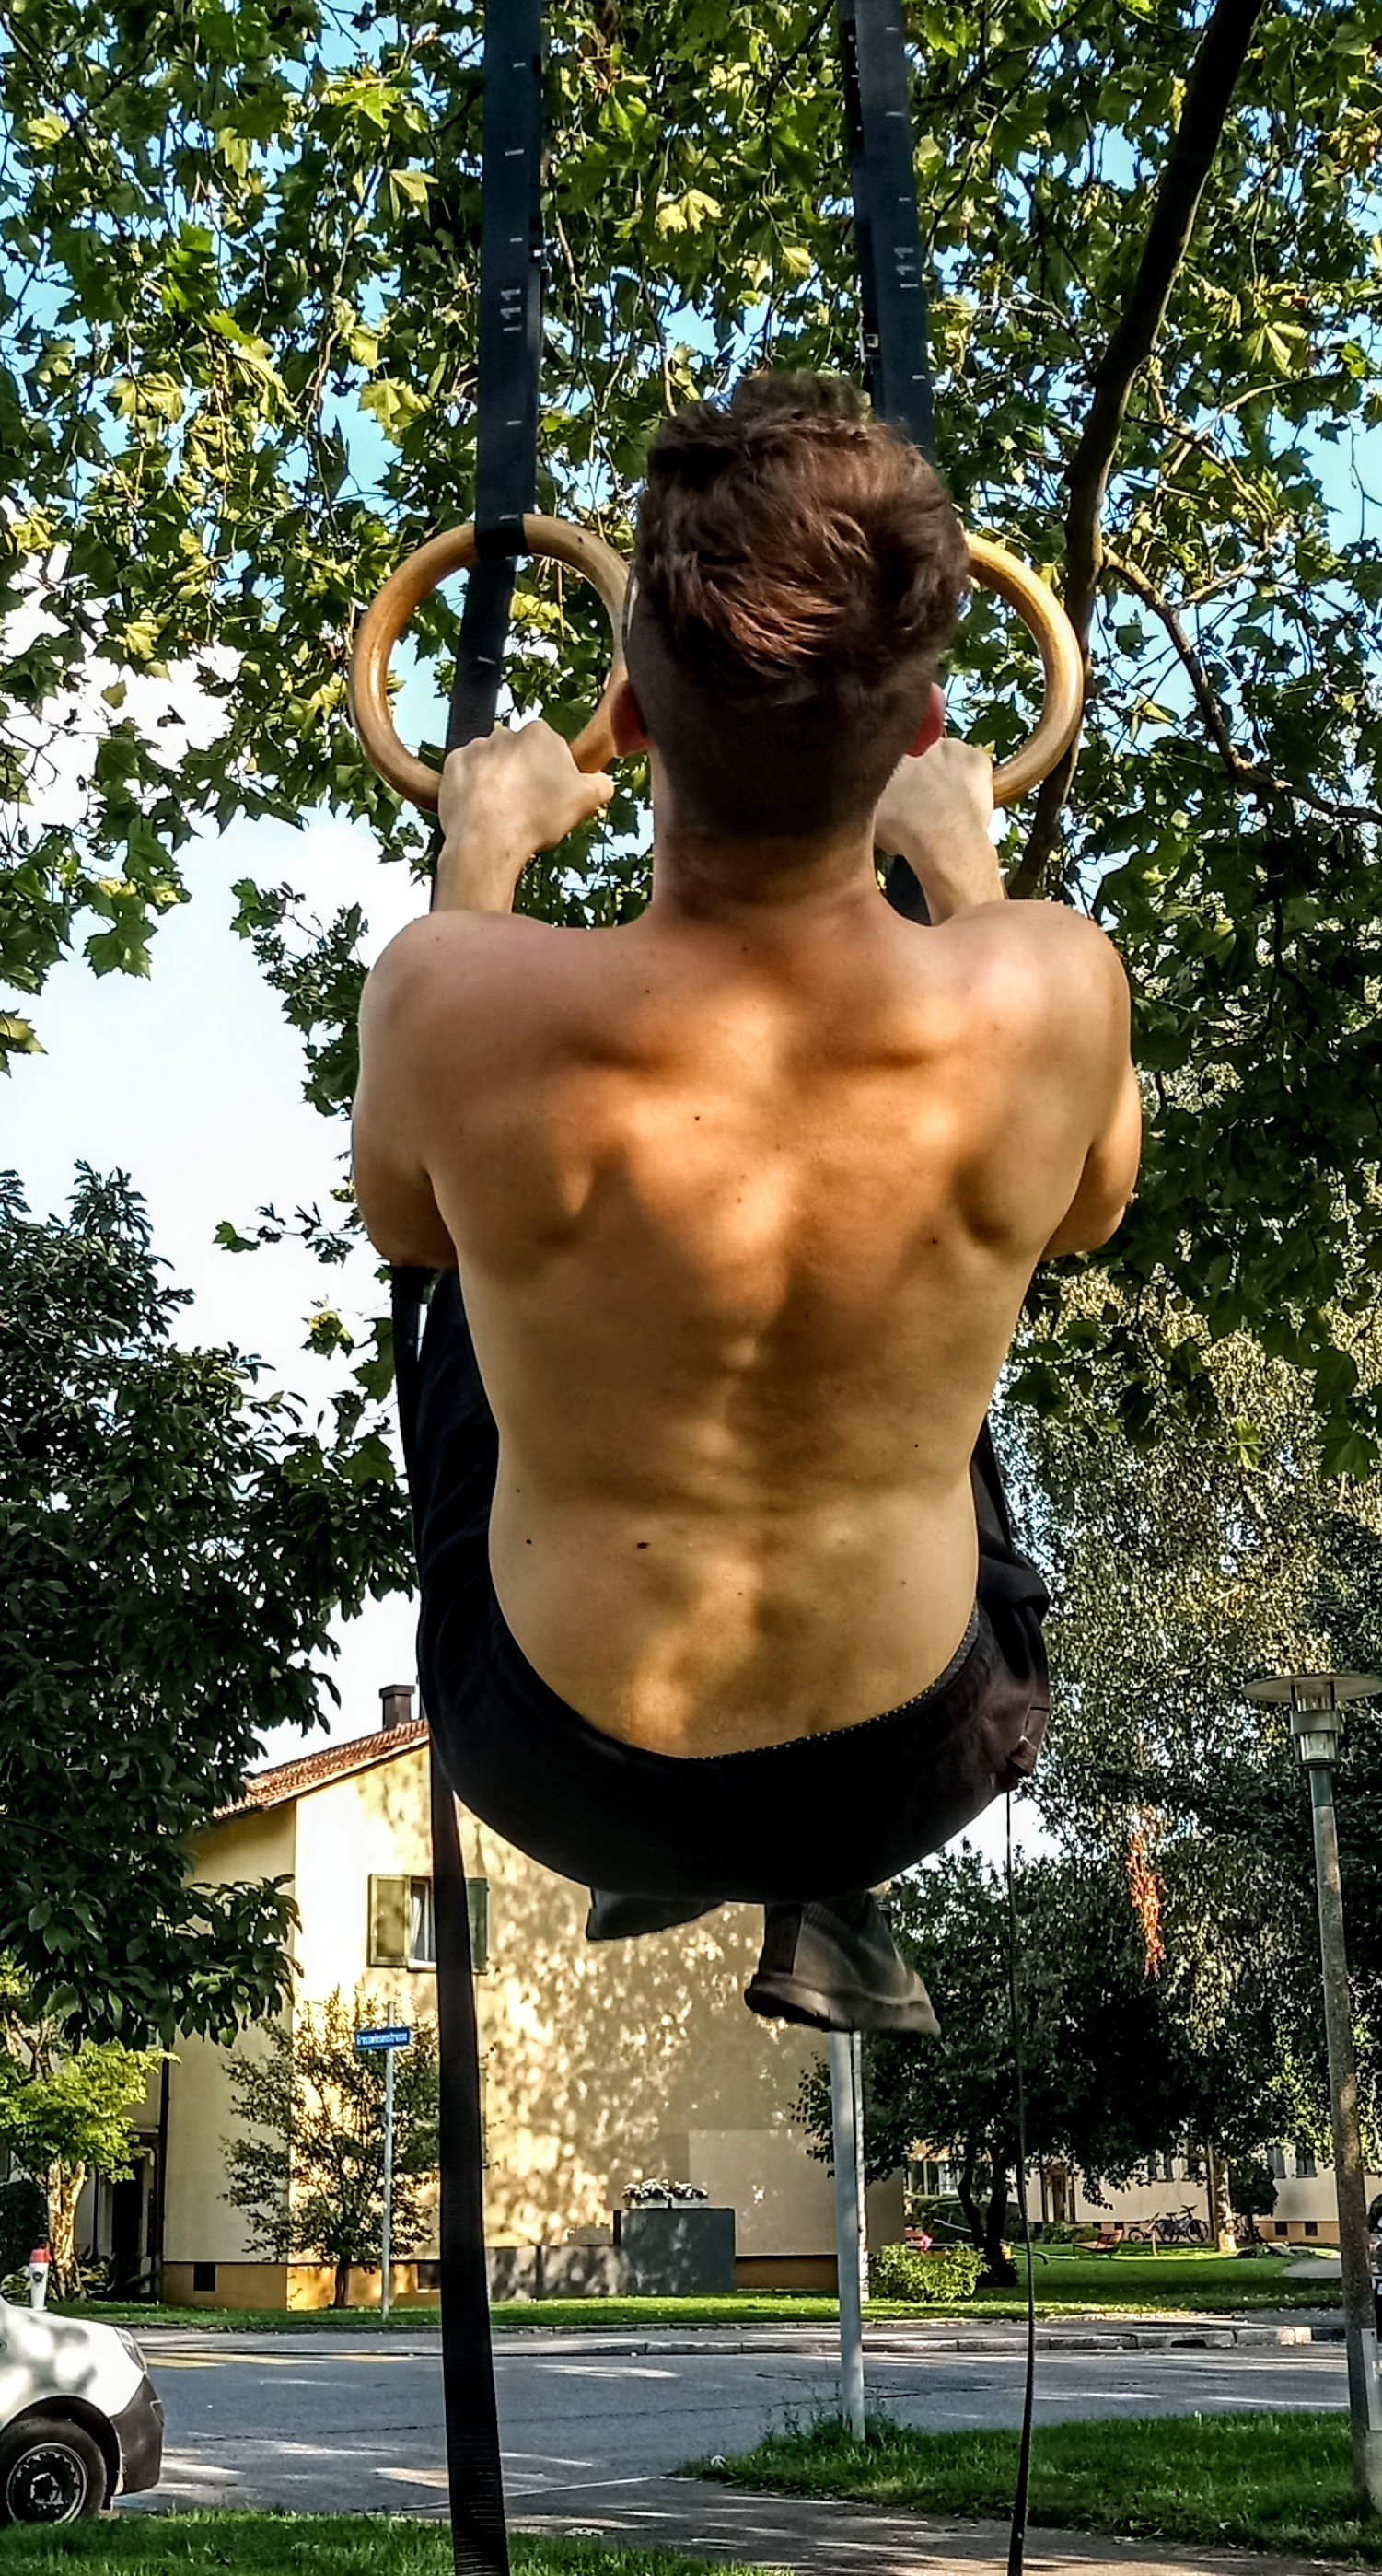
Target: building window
{"points": [[203, 2276], [477, 1905], [403, 1923], [1305, 2164], [1276, 2157], [1312, 2227], [422, 1924]]}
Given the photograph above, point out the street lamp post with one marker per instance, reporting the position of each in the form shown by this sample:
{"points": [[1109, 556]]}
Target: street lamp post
{"points": [[1314, 1700]]}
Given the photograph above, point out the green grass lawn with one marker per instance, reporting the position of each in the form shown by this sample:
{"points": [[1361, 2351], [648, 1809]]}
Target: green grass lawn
{"points": [[309, 2544], [1183, 2278], [1183, 2282], [784, 2307], [1280, 2482]]}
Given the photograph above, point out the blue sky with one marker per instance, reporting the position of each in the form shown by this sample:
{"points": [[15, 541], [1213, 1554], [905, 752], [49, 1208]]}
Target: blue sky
{"points": [[191, 1082]]}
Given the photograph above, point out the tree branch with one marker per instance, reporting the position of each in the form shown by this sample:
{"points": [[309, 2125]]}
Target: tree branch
{"points": [[1262, 784], [1208, 97]]}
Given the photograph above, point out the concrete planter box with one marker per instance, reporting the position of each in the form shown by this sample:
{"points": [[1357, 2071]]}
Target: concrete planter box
{"points": [[555, 2272], [679, 2252]]}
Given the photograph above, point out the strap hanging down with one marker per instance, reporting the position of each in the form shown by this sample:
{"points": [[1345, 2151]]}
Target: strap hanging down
{"points": [[479, 2540], [897, 378], [511, 280], [897, 371]]}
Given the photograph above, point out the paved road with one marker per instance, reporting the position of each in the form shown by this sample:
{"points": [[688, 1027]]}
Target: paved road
{"points": [[335, 2423]]}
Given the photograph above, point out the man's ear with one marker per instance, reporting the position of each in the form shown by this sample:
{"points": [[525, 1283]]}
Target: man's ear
{"points": [[626, 721], [932, 724]]}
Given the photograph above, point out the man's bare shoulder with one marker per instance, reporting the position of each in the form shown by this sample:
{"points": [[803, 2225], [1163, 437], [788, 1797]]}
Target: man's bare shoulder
{"points": [[1040, 957], [441, 946], [478, 961]]}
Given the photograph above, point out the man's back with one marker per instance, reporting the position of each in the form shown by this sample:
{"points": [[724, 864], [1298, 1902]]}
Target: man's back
{"points": [[745, 1202]]}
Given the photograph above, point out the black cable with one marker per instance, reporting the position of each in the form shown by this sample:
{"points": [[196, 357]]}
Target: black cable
{"points": [[1018, 2538]]}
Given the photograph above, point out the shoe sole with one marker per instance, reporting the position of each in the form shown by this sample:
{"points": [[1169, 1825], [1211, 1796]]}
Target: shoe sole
{"points": [[785, 2000]]}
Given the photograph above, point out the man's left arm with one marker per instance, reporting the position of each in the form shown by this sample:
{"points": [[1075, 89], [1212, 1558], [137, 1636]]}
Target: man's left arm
{"points": [[502, 800]]}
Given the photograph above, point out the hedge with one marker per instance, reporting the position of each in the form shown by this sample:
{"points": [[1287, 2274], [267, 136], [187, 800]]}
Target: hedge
{"points": [[924, 2279]]}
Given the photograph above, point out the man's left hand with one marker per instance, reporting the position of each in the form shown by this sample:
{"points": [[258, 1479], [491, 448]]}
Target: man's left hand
{"points": [[502, 800]]}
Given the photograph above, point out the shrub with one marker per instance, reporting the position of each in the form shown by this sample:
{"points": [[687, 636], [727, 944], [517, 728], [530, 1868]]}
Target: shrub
{"points": [[924, 2279]]}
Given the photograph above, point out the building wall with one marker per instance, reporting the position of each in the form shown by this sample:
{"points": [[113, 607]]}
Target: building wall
{"points": [[372, 1823], [603, 2064], [1305, 2212], [198, 2226]]}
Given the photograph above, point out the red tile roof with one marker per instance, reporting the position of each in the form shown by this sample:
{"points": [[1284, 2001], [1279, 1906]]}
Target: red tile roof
{"points": [[289, 1780]]}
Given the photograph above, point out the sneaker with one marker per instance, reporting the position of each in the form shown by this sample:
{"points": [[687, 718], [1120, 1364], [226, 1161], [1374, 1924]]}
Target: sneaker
{"points": [[833, 1965]]}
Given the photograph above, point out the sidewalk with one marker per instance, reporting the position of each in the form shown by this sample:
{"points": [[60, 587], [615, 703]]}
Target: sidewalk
{"points": [[852, 2540]]}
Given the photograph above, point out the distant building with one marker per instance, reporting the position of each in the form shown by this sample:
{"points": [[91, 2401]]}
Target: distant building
{"points": [[603, 2065]]}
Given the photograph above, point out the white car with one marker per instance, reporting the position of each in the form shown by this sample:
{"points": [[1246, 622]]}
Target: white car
{"points": [[80, 2422]]}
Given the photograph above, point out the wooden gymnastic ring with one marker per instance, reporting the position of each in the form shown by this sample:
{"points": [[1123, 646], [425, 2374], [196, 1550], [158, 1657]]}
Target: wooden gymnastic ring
{"points": [[385, 620], [1062, 666], [558, 539]]}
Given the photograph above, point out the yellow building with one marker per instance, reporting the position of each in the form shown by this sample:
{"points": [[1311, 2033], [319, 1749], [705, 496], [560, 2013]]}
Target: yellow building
{"points": [[603, 2065]]}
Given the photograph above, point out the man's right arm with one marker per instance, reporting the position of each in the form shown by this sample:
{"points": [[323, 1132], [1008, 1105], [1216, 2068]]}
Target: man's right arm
{"points": [[1109, 1177]]}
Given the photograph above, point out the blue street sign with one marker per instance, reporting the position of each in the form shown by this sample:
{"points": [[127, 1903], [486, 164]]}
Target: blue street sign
{"points": [[393, 2035]]}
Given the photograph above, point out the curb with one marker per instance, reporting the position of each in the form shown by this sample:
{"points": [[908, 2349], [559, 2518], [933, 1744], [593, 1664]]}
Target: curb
{"points": [[807, 2343]]}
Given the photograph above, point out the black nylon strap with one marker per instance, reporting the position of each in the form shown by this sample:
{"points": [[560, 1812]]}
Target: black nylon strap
{"points": [[893, 325], [511, 277], [475, 2477], [479, 2541], [897, 378]]}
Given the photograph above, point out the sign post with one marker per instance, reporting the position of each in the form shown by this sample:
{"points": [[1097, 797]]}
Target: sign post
{"points": [[392, 2037], [846, 2103]]}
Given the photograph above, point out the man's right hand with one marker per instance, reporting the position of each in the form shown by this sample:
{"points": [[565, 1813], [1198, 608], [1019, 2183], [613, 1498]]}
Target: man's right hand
{"points": [[935, 812]]}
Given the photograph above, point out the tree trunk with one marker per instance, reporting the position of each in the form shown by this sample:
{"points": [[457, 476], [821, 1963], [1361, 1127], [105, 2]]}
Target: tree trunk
{"points": [[1000, 2271], [964, 2192], [341, 2295], [64, 2184], [1221, 2229]]}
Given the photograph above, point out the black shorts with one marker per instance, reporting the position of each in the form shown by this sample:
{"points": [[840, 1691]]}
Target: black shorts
{"points": [[807, 1818]]}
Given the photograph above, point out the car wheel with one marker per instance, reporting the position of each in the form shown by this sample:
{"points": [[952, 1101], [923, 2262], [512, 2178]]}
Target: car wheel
{"points": [[50, 2471]]}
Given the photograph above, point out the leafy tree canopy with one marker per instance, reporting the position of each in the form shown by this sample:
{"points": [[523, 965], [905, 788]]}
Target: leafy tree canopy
{"points": [[64, 2113], [1180, 1572], [1119, 2064], [173, 1545], [239, 346]]}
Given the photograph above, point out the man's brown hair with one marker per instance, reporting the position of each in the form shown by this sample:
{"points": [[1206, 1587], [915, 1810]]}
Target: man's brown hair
{"points": [[799, 567]]}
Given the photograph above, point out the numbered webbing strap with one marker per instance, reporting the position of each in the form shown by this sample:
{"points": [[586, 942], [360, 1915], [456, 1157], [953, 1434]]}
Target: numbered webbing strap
{"points": [[510, 353], [511, 280], [892, 289]]}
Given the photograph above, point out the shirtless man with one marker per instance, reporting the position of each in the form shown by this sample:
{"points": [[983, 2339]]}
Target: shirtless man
{"points": [[745, 1197]]}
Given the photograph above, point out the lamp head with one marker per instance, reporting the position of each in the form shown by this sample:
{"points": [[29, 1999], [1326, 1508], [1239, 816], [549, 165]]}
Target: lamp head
{"points": [[1314, 1700]]}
